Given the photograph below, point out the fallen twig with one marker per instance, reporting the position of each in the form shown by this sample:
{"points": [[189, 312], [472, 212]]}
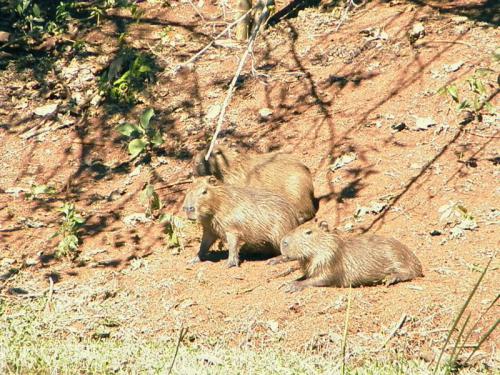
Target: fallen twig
{"points": [[393, 332], [14, 41], [29, 134], [181, 182], [345, 14], [450, 42], [196, 10]]}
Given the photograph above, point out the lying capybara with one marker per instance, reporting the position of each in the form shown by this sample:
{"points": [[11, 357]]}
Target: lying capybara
{"points": [[238, 215], [278, 172], [329, 260]]}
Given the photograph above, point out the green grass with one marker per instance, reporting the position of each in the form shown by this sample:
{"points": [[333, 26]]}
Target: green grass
{"points": [[34, 339]]}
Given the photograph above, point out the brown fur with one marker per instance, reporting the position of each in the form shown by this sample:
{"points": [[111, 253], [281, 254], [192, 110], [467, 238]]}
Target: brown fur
{"points": [[238, 215], [327, 259], [278, 172]]}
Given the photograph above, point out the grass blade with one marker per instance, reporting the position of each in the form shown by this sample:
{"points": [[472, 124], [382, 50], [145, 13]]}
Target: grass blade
{"points": [[461, 312], [182, 334], [483, 339], [453, 358], [344, 338], [493, 303]]}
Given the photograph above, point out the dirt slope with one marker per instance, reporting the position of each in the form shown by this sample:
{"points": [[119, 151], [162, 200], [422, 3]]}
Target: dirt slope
{"points": [[330, 93]]}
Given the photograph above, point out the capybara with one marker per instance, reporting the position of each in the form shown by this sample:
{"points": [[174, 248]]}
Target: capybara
{"points": [[278, 172], [238, 215], [327, 259]]}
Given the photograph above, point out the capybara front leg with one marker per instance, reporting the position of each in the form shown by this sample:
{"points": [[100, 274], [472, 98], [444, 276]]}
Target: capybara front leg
{"points": [[207, 240], [233, 243]]}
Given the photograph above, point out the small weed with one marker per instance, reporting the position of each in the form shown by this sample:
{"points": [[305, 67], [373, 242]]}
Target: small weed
{"points": [[69, 230], [474, 97], [144, 137], [37, 190], [459, 217], [150, 198], [165, 34], [173, 229], [126, 75], [33, 19]]}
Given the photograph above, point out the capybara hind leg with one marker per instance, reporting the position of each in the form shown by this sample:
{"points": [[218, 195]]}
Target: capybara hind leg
{"points": [[301, 284], [233, 243], [394, 278]]}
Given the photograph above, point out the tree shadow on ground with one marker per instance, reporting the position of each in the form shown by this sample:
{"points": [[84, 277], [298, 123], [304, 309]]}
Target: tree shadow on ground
{"points": [[310, 98]]}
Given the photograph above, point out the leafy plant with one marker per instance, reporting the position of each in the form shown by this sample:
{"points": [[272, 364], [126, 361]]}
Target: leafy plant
{"points": [[151, 199], [173, 229], [34, 18], [126, 75], [69, 230], [37, 190], [476, 99], [144, 136], [457, 215]]}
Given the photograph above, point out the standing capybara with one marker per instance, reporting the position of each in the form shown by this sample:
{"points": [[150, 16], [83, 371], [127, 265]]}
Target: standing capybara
{"points": [[329, 260], [278, 172], [238, 215]]}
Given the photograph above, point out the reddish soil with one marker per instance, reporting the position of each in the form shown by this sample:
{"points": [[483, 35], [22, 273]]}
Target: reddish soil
{"points": [[330, 93]]}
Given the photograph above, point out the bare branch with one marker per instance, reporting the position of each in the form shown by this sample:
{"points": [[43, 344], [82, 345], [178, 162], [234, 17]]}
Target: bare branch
{"points": [[251, 41], [345, 14], [204, 49], [196, 10]]}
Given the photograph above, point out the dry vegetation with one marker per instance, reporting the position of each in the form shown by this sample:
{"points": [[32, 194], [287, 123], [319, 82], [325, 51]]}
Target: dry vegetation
{"points": [[393, 105]]}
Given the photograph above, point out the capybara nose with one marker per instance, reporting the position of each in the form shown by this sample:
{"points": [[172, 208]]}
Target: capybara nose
{"points": [[188, 208]]}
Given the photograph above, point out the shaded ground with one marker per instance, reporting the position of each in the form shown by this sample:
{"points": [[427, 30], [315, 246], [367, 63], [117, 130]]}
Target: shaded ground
{"points": [[330, 93]]}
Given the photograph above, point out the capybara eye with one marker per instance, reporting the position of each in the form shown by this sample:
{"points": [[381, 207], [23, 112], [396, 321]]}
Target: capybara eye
{"points": [[204, 192], [308, 232]]}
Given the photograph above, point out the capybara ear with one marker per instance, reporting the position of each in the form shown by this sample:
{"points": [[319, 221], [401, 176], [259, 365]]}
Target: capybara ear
{"points": [[324, 226], [212, 180]]}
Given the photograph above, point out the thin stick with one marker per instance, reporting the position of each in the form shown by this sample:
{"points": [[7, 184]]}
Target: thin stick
{"points": [[345, 13], [196, 10], [230, 91], [51, 292], [451, 42], [182, 334], [344, 338], [393, 332], [204, 49], [181, 182], [44, 130], [7, 44]]}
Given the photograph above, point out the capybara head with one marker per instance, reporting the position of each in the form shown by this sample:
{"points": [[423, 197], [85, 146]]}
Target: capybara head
{"points": [[198, 198], [305, 239], [215, 164]]}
